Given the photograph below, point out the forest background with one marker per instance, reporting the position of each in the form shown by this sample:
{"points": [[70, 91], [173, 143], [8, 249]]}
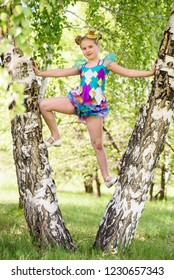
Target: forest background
{"points": [[46, 30]]}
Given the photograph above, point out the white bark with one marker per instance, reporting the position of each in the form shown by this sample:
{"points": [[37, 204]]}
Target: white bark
{"points": [[36, 186]]}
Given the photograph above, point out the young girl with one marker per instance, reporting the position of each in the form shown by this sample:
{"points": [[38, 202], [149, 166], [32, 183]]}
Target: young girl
{"points": [[87, 101]]}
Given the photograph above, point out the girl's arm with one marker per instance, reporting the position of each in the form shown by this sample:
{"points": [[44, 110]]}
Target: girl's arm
{"points": [[56, 72], [115, 68]]}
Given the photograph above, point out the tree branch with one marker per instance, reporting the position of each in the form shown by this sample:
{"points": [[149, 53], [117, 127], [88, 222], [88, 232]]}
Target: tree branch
{"points": [[170, 146], [75, 15]]}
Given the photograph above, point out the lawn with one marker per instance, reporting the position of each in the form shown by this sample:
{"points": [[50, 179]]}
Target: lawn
{"points": [[154, 238], [82, 213]]}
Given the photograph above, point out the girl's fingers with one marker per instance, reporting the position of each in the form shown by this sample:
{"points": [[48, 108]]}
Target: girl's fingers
{"points": [[34, 66], [34, 63]]}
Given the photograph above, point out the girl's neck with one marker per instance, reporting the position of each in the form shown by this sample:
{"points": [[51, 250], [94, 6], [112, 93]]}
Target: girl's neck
{"points": [[93, 62]]}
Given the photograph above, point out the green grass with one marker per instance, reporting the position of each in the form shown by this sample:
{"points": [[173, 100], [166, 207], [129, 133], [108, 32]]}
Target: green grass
{"points": [[154, 238], [82, 213]]}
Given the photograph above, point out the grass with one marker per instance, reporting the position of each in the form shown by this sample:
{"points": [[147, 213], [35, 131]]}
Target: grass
{"points": [[82, 213]]}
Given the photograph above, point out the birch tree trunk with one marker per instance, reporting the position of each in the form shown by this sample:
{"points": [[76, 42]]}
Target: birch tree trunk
{"points": [[123, 212], [36, 186]]}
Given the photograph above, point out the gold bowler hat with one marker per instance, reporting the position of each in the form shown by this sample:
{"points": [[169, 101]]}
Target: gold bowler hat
{"points": [[91, 34]]}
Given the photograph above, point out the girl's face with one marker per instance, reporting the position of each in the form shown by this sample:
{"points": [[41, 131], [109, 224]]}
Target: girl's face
{"points": [[90, 49]]}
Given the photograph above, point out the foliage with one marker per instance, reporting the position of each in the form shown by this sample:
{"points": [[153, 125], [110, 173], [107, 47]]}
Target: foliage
{"points": [[47, 22], [46, 29], [15, 20]]}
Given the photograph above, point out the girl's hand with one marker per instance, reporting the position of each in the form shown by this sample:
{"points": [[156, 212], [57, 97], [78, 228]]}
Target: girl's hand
{"points": [[55, 73], [153, 67], [35, 68]]}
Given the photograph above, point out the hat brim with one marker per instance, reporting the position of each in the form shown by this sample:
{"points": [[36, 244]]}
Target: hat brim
{"points": [[89, 36]]}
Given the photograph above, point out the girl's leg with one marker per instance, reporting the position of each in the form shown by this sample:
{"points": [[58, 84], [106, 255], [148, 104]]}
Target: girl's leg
{"points": [[57, 104], [95, 128]]}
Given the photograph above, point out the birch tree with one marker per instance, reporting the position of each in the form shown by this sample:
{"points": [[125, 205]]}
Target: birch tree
{"points": [[124, 210], [36, 185]]}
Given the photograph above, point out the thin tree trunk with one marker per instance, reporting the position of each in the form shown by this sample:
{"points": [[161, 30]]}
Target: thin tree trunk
{"points": [[164, 178], [111, 140], [98, 184], [163, 182], [36, 186], [44, 80], [151, 192], [88, 183], [123, 212]]}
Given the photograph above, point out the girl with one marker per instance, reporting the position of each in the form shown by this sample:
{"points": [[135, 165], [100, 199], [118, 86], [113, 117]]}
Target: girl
{"points": [[87, 101]]}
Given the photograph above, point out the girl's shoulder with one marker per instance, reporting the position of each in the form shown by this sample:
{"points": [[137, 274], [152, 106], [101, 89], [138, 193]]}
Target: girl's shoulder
{"points": [[79, 63], [108, 59]]}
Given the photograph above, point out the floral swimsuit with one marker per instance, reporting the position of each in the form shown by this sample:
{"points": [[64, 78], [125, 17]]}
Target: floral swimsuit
{"points": [[88, 99]]}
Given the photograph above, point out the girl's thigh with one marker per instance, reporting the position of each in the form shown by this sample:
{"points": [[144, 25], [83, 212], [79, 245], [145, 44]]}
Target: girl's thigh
{"points": [[95, 128], [57, 104]]}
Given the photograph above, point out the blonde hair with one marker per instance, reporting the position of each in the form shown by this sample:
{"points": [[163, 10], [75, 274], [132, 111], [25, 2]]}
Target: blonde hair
{"points": [[90, 35]]}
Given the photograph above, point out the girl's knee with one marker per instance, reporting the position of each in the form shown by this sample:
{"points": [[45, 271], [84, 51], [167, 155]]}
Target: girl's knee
{"points": [[43, 104], [98, 145]]}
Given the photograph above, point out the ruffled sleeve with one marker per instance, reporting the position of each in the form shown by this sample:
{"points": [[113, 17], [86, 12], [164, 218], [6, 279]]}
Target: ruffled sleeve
{"points": [[79, 62], [108, 59]]}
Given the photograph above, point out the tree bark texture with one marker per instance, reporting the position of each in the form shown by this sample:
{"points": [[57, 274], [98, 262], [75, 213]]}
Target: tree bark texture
{"points": [[36, 186], [123, 212]]}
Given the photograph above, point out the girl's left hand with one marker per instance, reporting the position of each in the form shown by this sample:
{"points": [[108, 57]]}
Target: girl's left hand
{"points": [[154, 67]]}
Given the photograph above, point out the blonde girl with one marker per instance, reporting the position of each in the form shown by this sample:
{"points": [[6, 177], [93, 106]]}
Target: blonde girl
{"points": [[88, 100]]}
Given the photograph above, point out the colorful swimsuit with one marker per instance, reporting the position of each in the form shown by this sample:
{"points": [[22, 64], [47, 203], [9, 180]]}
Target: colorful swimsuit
{"points": [[88, 99]]}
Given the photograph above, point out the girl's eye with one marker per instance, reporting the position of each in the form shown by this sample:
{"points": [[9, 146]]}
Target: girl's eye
{"points": [[88, 47]]}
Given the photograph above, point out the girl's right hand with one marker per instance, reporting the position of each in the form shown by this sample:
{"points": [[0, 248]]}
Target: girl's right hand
{"points": [[35, 68]]}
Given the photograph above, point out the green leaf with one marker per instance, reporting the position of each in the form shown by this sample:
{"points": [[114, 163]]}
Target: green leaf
{"points": [[49, 8], [3, 16], [25, 23], [42, 5], [18, 10], [4, 45], [21, 39], [5, 79], [18, 31], [27, 12]]}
